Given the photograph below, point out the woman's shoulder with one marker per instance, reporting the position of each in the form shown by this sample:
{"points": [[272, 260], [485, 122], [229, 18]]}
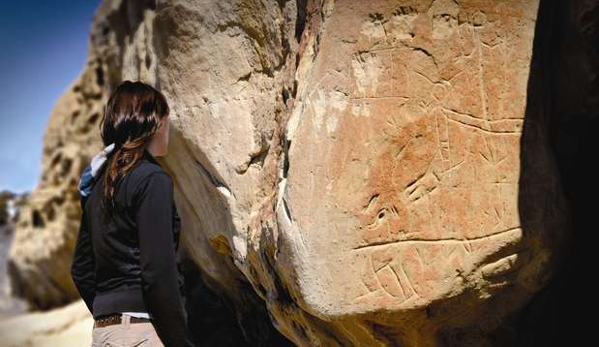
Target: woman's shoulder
{"points": [[145, 169], [145, 173]]}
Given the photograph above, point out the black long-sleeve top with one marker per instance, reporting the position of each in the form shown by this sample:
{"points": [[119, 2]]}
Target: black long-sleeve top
{"points": [[130, 261]]}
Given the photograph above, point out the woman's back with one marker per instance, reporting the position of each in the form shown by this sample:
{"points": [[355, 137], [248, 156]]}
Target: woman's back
{"points": [[126, 258], [116, 240], [131, 256]]}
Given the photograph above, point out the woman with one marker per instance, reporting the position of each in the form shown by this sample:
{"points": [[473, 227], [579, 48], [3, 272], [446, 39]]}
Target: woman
{"points": [[125, 264]]}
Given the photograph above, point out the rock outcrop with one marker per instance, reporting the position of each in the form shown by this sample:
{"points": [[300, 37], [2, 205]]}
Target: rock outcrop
{"points": [[348, 173], [66, 326]]}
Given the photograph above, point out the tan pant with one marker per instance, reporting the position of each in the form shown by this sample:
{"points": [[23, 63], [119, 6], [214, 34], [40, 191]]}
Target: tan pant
{"points": [[126, 334]]}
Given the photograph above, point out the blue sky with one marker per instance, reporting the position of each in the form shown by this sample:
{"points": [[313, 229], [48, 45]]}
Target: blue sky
{"points": [[44, 49]]}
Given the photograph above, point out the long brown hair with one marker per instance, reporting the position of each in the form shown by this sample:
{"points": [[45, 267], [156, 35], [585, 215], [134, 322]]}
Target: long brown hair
{"points": [[131, 118]]}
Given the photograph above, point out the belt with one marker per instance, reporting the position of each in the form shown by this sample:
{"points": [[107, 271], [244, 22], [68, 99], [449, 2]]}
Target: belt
{"points": [[116, 318]]}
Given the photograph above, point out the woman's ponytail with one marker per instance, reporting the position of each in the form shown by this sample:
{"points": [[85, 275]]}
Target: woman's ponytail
{"points": [[131, 118]]}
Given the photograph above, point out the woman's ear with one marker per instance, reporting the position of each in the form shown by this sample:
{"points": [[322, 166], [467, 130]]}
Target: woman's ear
{"points": [[161, 125]]}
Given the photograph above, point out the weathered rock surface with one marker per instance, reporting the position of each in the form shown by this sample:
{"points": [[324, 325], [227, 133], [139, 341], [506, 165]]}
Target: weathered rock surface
{"points": [[355, 173], [40, 256], [66, 326]]}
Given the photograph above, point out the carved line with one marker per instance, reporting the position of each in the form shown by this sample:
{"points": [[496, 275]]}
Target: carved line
{"points": [[403, 291], [403, 271], [420, 258], [380, 97], [445, 240], [485, 121], [482, 87], [485, 130]]}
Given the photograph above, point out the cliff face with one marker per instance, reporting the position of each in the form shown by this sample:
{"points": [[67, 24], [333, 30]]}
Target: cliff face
{"points": [[353, 173]]}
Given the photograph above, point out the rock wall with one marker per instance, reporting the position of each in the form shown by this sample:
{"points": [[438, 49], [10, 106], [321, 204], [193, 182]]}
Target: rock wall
{"points": [[67, 326], [422, 200], [347, 172], [46, 230]]}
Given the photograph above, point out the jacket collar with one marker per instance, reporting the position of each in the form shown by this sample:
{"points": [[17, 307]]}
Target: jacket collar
{"points": [[147, 155], [92, 170]]}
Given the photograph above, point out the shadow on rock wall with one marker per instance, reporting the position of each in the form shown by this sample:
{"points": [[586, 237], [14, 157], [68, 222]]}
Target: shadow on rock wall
{"points": [[564, 96]]}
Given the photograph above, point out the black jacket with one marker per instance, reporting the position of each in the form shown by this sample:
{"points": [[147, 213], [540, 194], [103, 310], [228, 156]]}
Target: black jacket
{"points": [[130, 262]]}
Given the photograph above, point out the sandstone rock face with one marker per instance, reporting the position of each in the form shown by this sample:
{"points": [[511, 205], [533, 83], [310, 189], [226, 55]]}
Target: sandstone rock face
{"points": [[408, 191], [357, 173], [413, 196], [66, 326], [45, 233]]}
